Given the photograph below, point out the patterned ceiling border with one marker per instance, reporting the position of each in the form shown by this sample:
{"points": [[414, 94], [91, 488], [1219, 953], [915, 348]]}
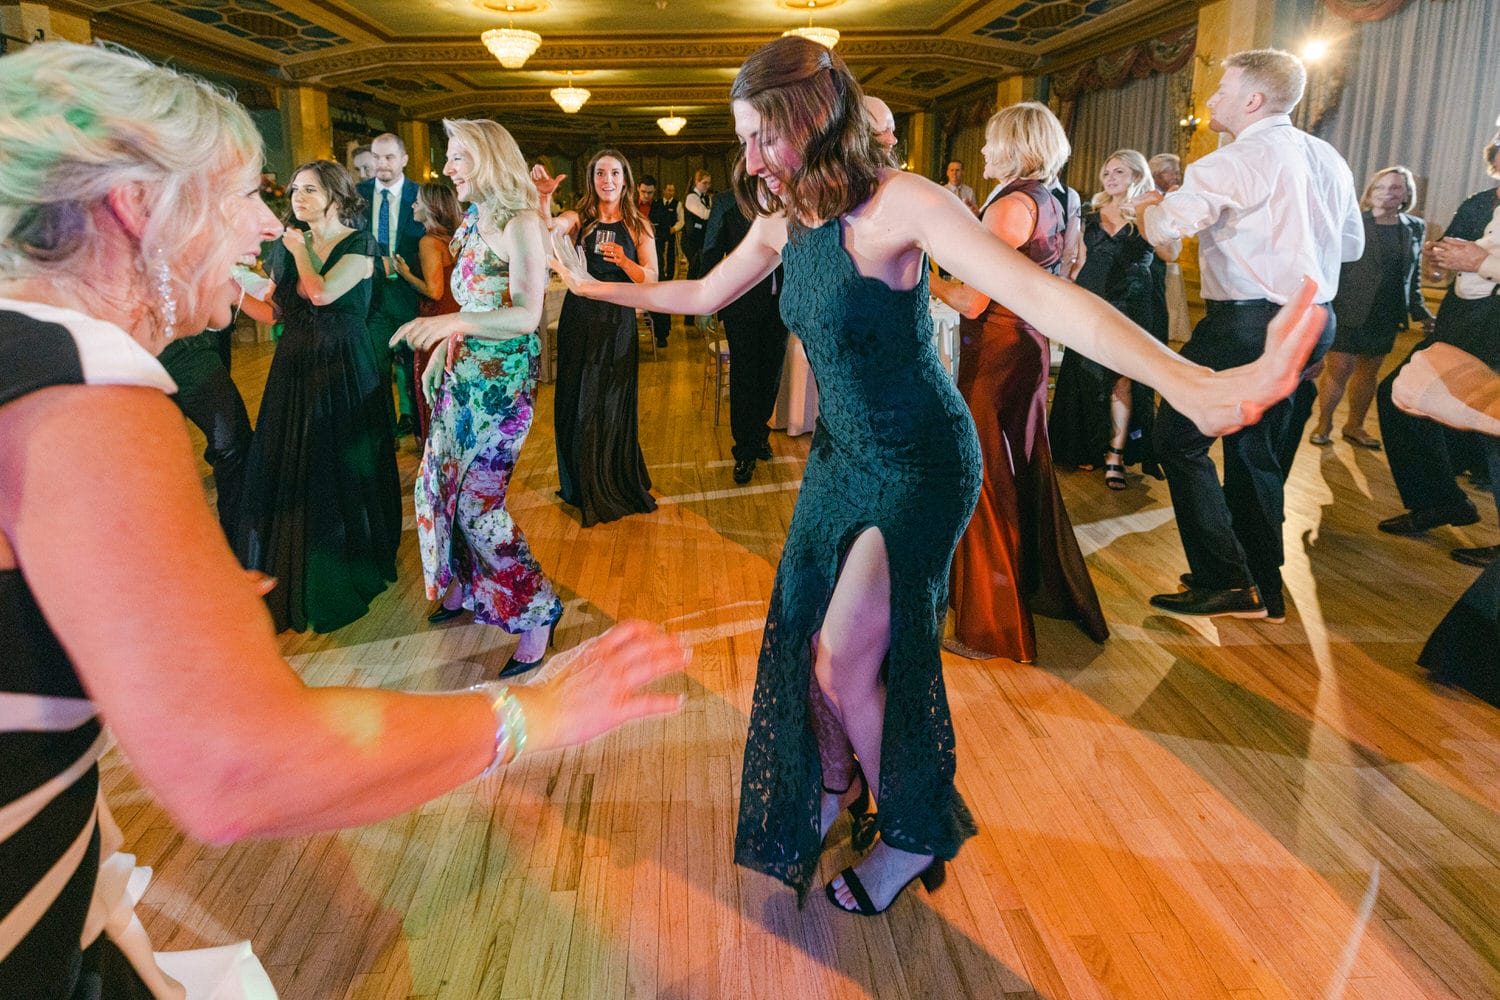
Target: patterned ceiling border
{"points": [[457, 104], [625, 54]]}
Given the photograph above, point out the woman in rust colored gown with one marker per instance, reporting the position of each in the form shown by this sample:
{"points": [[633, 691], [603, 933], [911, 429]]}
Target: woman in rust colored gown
{"points": [[1019, 553]]}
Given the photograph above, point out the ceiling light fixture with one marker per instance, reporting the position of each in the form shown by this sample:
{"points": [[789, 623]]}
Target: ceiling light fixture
{"points": [[570, 98], [511, 45], [672, 124], [826, 37]]}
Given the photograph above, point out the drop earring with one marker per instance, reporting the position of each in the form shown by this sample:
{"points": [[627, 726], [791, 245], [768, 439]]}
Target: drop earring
{"points": [[165, 295]]}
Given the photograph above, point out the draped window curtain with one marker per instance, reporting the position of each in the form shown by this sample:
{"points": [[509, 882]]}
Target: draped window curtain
{"points": [[1141, 115], [967, 148], [1422, 92]]}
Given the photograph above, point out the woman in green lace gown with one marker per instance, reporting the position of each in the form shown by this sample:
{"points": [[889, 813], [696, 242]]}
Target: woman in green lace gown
{"points": [[850, 677]]}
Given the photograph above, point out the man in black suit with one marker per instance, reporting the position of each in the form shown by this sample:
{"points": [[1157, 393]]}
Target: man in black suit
{"points": [[1469, 318], [757, 341], [666, 266], [394, 302], [661, 224]]}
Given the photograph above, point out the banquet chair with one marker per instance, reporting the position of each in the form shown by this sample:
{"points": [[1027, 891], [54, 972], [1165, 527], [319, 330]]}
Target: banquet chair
{"points": [[716, 367]]}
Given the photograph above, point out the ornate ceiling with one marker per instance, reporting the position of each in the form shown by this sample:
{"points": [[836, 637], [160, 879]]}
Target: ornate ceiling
{"points": [[422, 59]]}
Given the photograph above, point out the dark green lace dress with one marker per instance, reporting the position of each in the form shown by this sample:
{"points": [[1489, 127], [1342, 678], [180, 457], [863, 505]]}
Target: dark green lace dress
{"points": [[895, 449]]}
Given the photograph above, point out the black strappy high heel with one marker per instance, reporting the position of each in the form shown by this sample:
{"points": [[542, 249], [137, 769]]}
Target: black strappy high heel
{"points": [[861, 819], [514, 667], [1114, 472], [932, 877]]}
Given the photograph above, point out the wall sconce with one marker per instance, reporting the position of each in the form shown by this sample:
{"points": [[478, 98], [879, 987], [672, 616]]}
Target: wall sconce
{"points": [[1190, 123]]}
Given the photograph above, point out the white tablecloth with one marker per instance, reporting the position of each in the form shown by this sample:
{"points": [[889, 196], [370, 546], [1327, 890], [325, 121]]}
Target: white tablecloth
{"points": [[796, 409]]}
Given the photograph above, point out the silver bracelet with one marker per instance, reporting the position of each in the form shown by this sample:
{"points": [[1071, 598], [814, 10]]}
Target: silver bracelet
{"points": [[510, 723]]}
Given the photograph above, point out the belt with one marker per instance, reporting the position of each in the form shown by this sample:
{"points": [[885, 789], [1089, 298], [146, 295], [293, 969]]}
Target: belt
{"points": [[1236, 303]]}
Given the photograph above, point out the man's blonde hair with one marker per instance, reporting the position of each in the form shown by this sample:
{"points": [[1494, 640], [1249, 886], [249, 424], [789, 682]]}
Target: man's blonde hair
{"points": [[1277, 74]]}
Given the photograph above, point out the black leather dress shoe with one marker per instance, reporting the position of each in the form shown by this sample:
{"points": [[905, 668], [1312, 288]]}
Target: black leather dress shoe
{"points": [[1187, 580], [765, 453], [1243, 602], [404, 425], [1414, 522], [1481, 557], [743, 470]]}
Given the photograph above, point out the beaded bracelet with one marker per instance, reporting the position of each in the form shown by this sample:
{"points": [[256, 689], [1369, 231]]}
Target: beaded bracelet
{"points": [[510, 723]]}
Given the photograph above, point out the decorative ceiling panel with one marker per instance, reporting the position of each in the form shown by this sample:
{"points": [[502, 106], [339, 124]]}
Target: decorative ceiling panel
{"points": [[1043, 20], [423, 59]]}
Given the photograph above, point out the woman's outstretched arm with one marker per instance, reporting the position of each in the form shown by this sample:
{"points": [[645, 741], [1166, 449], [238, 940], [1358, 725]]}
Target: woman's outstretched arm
{"points": [[756, 256], [1218, 402], [524, 239], [101, 507]]}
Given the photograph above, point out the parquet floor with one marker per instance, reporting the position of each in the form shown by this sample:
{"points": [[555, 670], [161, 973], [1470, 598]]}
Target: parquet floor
{"points": [[1191, 811]]}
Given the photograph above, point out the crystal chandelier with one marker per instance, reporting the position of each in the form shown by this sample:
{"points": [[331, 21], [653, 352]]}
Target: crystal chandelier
{"points": [[570, 98], [511, 45], [672, 124], [826, 37]]}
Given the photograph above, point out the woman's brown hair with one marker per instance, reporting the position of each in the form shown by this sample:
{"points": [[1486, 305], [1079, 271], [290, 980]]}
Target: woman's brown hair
{"points": [[807, 99], [588, 202], [337, 183], [443, 211]]}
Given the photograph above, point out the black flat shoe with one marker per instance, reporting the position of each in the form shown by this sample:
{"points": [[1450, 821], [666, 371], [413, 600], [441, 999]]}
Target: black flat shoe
{"points": [[442, 613], [932, 876], [514, 667], [743, 470]]}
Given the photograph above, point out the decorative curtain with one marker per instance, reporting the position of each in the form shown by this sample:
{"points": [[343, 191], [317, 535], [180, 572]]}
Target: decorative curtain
{"points": [[1363, 10], [1421, 91], [1166, 54], [1140, 115]]}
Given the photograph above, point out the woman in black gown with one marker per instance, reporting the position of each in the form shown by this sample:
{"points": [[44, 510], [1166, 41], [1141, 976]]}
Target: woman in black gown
{"points": [[1097, 416], [599, 462], [850, 662], [322, 507]]}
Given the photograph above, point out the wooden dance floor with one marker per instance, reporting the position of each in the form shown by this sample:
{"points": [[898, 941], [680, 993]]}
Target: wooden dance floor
{"points": [[1195, 810]]}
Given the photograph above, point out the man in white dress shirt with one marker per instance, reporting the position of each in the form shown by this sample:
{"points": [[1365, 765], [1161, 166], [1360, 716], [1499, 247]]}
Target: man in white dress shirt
{"points": [[1269, 208], [960, 190]]}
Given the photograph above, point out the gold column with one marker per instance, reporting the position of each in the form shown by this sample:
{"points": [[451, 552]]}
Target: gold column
{"points": [[418, 139], [1014, 90], [921, 141], [24, 20], [1224, 27], [304, 118]]}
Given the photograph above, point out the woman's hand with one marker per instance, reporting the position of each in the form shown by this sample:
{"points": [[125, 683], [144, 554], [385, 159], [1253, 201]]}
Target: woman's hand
{"points": [[295, 240], [603, 687], [394, 261], [614, 253], [426, 332], [1223, 402], [437, 366], [545, 183]]}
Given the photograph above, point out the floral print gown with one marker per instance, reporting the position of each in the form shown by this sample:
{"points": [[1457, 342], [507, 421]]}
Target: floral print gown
{"points": [[481, 414]]}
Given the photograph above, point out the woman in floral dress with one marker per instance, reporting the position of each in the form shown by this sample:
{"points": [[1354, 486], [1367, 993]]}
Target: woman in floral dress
{"points": [[482, 383]]}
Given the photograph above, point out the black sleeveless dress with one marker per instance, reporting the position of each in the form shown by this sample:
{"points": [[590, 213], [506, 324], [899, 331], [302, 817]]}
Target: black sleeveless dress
{"points": [[55, 830], [322, 498], [1118, 270], [894, 449], [599, 462]]}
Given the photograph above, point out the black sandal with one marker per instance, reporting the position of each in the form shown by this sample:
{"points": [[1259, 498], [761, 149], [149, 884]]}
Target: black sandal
{"points": [[862, 821], [1114, 472], [932, 876]]}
